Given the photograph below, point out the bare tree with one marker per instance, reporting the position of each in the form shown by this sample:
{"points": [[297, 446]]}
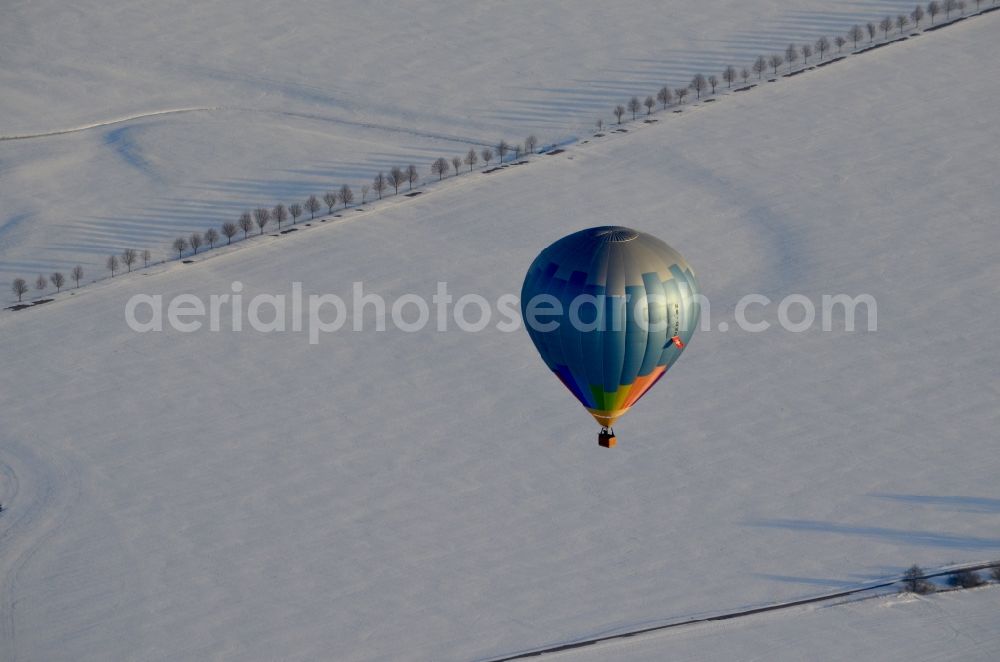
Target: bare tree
{"points": [[855, 34], [917, 15], [664, 96], [397, 177], [295, 209], [729, 75], [129, 257], [633, 106], [229, 230], [600, 125], [619, 111], [41, 283], [112, 264], [760, 66], [19, 287], [346, 195], [914, 581], [680, 93], [744, 74], [439, 166], [531, 144], [822, 46], [713, 81], [364, 192], [517, 151], [262, 217], [949, 7], [807, 52], [279, 214], [840, 41], [412, 176], [246, 223], [312, 206], [901, 22], [649, 103], [77, 274], [147, 256], [872, 31], [791, 55], [180, 245], [456, 163], [195, 241], [58, 280], [885, 25], [502, 149], [698, 83], [379, 185], [211, 236], [330, 199], [965, 579], [933, 9], [471, 159], [775, 62]]}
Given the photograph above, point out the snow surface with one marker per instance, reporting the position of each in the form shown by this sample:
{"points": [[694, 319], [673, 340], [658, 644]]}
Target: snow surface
{"points": [[299, 97], [953, 626], [439, 496]]}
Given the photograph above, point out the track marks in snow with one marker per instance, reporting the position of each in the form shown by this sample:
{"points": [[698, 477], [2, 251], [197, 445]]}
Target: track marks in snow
{"points": [[96, 125], [37, 495]]}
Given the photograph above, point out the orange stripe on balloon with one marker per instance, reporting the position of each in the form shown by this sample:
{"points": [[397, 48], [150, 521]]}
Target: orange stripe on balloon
{"points": [[643, 384]]}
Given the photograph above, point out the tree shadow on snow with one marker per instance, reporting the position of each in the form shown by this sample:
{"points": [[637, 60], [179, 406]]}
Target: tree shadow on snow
{"points": [[905, 536], [674, 67], [963, 504]]}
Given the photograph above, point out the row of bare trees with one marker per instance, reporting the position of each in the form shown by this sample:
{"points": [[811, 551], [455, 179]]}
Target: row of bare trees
{"points": [[396, 178], [915, 579], [19, 286], [129, 258], [701, 84], [261, 217], [441, 166], [114, 263]]}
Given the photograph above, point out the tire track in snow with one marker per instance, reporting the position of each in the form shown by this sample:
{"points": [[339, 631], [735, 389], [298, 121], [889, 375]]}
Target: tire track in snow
{"points": [[97, 125], [38, 500]]}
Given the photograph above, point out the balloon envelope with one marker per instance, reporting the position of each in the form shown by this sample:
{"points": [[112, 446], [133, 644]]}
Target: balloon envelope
{"points": [[609, 309]]}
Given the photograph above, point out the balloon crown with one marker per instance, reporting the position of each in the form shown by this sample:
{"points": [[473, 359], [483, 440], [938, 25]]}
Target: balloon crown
{"points": [[615, 233]]}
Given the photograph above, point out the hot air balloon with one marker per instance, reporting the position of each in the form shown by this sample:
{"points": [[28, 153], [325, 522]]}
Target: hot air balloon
{"points": [[610, 310]]}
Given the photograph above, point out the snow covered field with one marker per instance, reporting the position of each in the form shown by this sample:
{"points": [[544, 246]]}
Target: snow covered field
{"points": [[439, 496], [954, 626], [298, 97]]}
